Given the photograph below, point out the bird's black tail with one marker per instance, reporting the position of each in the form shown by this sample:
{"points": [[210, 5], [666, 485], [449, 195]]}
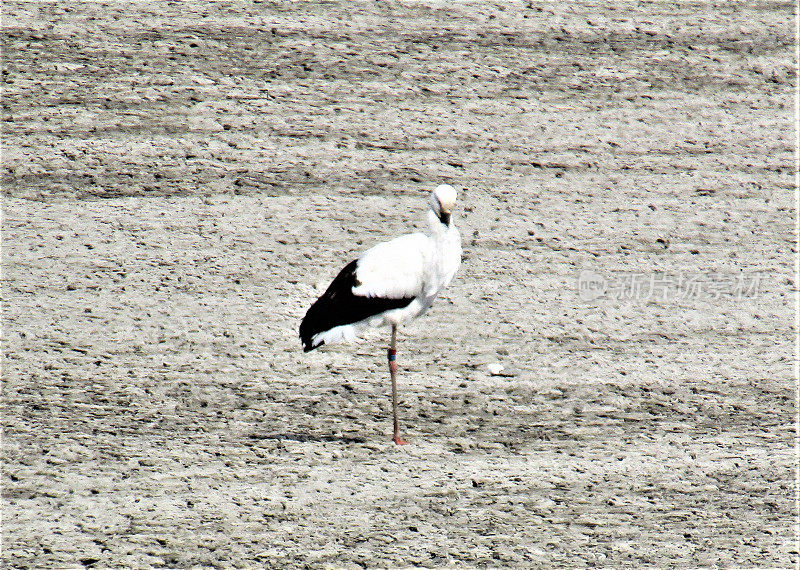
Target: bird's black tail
{"points": [[307, 332], [339, 306], [324, 314]]}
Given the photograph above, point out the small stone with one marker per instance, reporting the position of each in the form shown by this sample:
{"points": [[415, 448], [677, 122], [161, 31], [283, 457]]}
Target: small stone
{"points": [[495, 368]]}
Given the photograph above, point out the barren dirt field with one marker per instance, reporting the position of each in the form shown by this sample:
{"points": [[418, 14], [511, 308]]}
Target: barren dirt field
{"points": [[180, 178]]}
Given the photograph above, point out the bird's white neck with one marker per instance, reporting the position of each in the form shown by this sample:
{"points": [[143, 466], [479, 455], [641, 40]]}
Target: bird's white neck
{"points": [[438, 229]]}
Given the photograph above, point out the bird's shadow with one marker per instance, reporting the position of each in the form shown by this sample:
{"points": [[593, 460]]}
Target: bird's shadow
{"points": [[306, 437]]}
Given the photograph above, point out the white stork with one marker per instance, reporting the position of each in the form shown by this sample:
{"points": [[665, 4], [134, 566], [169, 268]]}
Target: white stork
{"points": [[391, 283]]}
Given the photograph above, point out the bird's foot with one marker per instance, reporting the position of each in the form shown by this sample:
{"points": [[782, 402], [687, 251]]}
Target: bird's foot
{"points": [[399, 440]]}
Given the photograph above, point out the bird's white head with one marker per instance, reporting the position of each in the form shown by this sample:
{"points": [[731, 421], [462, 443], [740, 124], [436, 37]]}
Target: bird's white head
{"points": [[442, 201]]}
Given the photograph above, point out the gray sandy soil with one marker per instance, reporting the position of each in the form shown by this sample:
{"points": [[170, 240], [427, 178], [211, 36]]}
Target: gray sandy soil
{"points": [[180, 178]]}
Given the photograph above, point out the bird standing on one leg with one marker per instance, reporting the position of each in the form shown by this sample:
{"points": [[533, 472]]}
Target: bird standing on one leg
{"points": [[391, 283]]}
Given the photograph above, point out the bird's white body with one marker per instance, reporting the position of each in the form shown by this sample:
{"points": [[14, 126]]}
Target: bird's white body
{"points": [[414, 265]]}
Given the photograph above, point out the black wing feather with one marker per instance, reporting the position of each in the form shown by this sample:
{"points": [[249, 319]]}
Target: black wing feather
{"points": [[339, 306]]}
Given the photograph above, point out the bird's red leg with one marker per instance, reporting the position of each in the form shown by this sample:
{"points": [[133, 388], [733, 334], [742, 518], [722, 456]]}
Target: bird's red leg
{"points": [[393, 371]]}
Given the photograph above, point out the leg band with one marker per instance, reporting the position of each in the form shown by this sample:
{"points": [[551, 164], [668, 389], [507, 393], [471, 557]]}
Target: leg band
{"points": [[392, 355]]}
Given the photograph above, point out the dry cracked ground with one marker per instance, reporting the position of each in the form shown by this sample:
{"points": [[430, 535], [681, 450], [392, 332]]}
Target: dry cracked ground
{"points": [[180, 178]]}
